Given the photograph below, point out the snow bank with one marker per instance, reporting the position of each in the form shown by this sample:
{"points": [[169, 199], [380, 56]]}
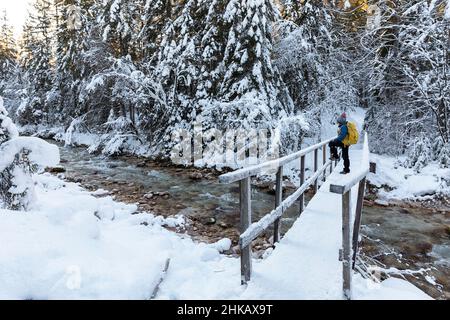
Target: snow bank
{"points": [[407, 184], [72, 245], [389, 289]]}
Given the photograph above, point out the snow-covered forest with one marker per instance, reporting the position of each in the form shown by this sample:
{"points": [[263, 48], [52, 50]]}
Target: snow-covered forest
{"points": [[132, 72], [116, 84]]}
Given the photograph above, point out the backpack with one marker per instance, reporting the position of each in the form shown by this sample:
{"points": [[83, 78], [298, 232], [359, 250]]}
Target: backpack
{"points": [[353, 134]]}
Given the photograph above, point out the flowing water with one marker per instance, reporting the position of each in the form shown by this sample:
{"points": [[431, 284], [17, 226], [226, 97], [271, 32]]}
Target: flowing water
{"points": [[407, 239]]}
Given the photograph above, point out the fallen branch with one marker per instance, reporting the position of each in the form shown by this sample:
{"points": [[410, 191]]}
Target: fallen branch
{"points": [[161, 279]]}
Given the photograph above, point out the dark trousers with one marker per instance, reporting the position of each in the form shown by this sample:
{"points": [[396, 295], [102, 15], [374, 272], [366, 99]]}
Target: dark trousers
{"points": [[333, 149]]}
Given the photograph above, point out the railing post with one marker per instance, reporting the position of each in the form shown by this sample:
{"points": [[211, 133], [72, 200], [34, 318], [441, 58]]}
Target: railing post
{"points": [[278, 200], [346, 248], [316, 167], [246, 220], [302, 181], [357, 225], [324, 150]]}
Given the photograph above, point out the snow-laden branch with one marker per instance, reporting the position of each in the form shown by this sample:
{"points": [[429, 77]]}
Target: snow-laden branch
{"points": [[41, 153]]}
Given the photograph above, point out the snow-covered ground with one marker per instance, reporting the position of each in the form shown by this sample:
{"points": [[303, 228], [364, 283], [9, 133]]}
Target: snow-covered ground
{"points": [[407, 184], [73, 245]]}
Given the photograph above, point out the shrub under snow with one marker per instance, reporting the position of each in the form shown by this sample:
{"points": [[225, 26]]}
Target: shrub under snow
{"points": [[19, 158]]}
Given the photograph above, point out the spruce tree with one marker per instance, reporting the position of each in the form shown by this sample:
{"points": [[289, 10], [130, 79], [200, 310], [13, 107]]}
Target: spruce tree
{"points": [[36, 60]]}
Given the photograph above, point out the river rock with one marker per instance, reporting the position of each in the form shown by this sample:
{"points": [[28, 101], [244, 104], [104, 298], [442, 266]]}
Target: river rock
{"points": [[210, 221], [424, 247], [223, 225], [148, 196], [195, 176], [141, 164], [57, 170], [382, 203]]}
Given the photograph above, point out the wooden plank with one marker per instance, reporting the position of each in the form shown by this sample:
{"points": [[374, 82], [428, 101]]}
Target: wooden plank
{"points": [[258, 227], [316, 167], [246, 220], [268, 166], [346, 248], [302, 181], [358, 214], [278, 200]]}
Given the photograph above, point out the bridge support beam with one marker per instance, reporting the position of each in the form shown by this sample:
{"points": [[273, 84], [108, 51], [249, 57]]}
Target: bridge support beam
{"points": [[358, 213], [246, 220], [302, 182], [346, 247], [316, 167], [324, 160], [278, 201]]}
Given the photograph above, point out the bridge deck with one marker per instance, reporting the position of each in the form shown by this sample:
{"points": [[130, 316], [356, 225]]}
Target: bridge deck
{"points": [[305, 263]]}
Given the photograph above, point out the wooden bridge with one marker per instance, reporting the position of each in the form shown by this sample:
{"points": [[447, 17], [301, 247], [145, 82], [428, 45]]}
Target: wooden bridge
{"points": [[330, 224]]}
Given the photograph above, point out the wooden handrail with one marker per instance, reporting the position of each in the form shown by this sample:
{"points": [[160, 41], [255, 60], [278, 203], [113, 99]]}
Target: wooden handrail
{"points": [[270, 165]]}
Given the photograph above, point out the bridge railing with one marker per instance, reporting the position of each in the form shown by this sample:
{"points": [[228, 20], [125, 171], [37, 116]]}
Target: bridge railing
{"points": [[250, 231], [350, 236]]}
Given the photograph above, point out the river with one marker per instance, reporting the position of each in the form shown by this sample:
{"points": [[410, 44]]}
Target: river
{"points": [[413, 240]]}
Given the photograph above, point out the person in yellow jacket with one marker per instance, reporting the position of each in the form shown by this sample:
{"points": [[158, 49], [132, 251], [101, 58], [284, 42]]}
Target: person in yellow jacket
{"points": [[342, 141]]}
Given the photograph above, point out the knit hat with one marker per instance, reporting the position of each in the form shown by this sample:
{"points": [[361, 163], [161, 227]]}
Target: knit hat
{"points": [[342, 119]]}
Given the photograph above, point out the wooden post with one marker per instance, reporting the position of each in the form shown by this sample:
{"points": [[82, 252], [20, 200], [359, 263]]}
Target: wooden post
{"points": [[316, 167], [302, 181], [346, 248], [324, 150], [278, 200], [373, 167], [246, 220], [358, 214]]}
